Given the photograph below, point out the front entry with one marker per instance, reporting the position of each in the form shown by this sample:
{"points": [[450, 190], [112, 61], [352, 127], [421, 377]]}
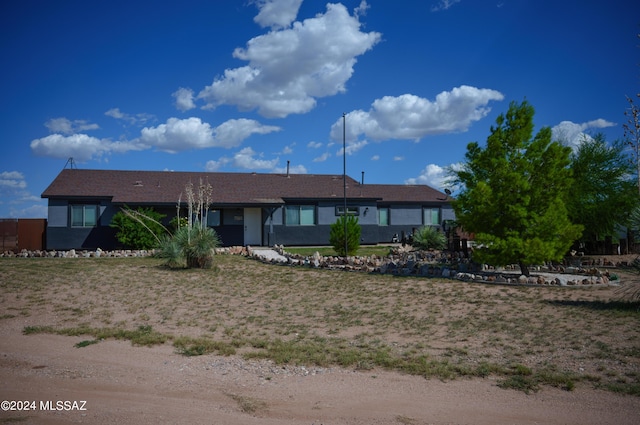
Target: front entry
{"points": [[253, 226]]}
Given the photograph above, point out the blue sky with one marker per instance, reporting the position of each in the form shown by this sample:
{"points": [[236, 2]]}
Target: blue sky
{"points": [[248, 85]]}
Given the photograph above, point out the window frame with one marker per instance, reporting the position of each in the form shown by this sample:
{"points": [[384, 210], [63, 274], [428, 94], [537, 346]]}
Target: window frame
{"points": [[388, 211], [430, 222], [351, 210], [85, 223], [300, 208], [212, 214]]}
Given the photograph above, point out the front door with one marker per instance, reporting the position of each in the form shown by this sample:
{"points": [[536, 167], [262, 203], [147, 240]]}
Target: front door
{"points": [[253, 226]]}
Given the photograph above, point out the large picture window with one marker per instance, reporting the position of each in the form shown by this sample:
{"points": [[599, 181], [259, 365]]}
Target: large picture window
{"points": [[300, 215], [431, 216], [84, 215]]}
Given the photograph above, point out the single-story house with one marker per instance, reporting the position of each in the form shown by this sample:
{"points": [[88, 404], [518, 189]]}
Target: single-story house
{"points": [[247, 208]]}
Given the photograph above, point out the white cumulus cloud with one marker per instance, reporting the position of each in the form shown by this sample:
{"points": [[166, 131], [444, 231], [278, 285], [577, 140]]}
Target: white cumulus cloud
{"points": [[232, 133], [191, 133], [184, 99], [80, 147], [248, 159], [435, 176], [289, 68], [410, 117], [213, 165], [277, 13], [353, 147], [572, 134], [179, 135]]}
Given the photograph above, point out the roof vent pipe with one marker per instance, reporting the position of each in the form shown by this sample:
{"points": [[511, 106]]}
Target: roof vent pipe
{"points": [[362, 179], [288, 167]]}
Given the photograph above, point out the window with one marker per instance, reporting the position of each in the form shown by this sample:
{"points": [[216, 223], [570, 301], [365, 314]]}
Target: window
{"points": [[84, 215], [350, 210], [300, 215], [213, 218], [383, 216], [431, 216]]}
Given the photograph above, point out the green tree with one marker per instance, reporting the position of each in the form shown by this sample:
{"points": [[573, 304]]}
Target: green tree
{"points": [[138, 229], [428, 237], [337, 235], [604, 193], [513, 193]]}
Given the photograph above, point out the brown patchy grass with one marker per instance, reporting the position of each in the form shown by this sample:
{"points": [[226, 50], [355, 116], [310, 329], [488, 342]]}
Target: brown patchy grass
{"points": [[526, 336]]}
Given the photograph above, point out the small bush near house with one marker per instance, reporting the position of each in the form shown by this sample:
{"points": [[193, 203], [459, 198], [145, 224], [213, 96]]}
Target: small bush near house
{"points": [[428, 237], [139, 229], [337, 235]]}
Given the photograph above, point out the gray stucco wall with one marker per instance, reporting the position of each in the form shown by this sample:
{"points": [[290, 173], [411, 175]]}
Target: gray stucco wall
{"points": [[402, 218]]}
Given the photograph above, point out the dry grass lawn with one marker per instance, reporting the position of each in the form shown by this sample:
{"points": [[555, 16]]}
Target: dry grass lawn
{"points": [[527, 337]]}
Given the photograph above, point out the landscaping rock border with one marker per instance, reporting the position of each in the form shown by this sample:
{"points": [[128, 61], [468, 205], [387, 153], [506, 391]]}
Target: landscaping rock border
{"points": [[447, 265], [401, 262]]}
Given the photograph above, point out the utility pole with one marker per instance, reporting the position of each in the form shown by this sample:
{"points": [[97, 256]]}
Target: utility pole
{"points": [[344, 181]]}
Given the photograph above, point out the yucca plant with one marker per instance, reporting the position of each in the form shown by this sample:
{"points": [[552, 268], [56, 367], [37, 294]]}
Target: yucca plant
{"points": [[428, 237], [193, 243], [192, 246]]}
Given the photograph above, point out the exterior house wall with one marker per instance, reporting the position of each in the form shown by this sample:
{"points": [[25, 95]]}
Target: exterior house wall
{"points": [[61, 236], [58, 213], [403, 218], [246, 193]]}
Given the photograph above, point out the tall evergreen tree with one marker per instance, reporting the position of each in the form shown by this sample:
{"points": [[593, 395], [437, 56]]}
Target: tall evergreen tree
{"points": [[514, 191]]}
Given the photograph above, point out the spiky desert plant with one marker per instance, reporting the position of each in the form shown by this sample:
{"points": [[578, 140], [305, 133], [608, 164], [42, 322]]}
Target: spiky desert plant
{"points": [[171, 250], [193, 243], [428, 237], [200, 249]]}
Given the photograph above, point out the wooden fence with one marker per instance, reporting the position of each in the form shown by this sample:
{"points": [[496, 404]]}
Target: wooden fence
{"points": [[17, 234]]}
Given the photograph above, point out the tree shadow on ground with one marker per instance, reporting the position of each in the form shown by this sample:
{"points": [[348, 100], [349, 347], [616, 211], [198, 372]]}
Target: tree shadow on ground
{"points": [[616, 305]]}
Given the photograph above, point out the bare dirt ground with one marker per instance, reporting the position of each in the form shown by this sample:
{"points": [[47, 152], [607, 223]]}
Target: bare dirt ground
{"points": [[122, 383]]}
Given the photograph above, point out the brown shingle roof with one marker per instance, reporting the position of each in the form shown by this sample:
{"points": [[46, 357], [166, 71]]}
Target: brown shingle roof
{"points": [[165, 187]]}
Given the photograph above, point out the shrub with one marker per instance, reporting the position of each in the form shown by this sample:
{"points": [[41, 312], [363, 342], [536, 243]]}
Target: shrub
{"points": [[428, 237], [337, 235], [139, 229]]}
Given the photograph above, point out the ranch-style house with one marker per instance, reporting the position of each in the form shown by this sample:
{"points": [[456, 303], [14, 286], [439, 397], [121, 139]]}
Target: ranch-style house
{"points": [[247, 208]]}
